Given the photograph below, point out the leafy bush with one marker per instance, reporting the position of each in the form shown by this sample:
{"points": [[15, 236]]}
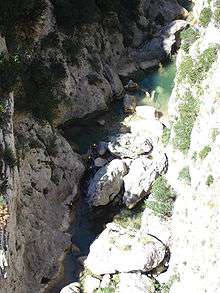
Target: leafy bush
{"points": [[214, 133], [129, 218], [166, 135], [72, 50], [195, 71], [188, 111], [205, 16], [216, 15], [188, 37], [164, 196], [210, 180], [204, 152], [184, 175]]}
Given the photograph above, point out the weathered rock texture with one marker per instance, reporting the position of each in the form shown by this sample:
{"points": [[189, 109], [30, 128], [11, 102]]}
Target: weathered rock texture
{"points": [[194, 263], [102, 41], [93, 46], [39, 191], [121, 250]]}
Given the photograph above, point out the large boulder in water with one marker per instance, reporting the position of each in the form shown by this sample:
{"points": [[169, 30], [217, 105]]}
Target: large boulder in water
{"points": [[118, 249], [129, 104], [106, 183], [143, 171]]}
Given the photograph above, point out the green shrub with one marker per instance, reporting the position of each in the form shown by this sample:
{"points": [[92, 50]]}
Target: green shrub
{"points": [[207, 58], [72, 50], [166, 135], [194, 156], [163, 195], [188, 37], [210, 180], [188, 111], [214, 133], [216, 15], [129, 218], [50, 41], [205, 16], [195, 71], [9, 157], [204, 152], [161, 189], [184, 175]]}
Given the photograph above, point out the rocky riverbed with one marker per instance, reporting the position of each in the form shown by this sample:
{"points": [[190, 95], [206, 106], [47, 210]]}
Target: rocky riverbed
{"points": [[133, 248]]}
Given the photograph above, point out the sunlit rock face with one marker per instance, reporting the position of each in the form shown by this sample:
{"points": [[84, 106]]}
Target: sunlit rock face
{"points": [[195, 223]]}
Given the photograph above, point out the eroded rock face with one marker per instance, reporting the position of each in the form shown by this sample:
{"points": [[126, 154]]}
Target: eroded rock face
{"points": [[107, 183], [48, 177], [122, 250]]}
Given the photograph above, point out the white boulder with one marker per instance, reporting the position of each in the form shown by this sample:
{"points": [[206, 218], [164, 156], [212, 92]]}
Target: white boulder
{"points": [[122, 250], [135, 283], [106, 183]]}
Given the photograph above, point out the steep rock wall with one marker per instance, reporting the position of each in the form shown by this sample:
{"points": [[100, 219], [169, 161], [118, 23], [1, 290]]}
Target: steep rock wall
{"points": [[193, 157]]}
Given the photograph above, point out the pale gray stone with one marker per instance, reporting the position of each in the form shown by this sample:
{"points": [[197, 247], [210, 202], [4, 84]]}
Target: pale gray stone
{"points": [[106, 183]]}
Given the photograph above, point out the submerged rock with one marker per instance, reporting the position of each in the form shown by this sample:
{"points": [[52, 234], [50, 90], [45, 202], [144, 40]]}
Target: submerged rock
{"points": [[129, 104], [135, 282], [107, 183], [102, 148], [143, 171], [100, 162], [122, 250], [130, 146]]}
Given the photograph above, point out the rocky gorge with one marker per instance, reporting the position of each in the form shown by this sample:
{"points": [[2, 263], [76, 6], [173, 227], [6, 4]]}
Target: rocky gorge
{"points": [[149, 187]]}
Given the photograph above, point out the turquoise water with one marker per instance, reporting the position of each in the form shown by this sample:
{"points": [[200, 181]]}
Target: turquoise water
{"points": [[161, 83], [87, 131]]}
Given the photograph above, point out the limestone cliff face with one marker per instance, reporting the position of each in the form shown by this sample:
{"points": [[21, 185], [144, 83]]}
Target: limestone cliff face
{"points": [[193, 157], [41, 172], [100, 46], [40, 190]]}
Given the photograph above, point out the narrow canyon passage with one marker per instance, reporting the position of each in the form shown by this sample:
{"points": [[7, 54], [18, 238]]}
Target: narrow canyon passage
{"points": [[109, 146], [82, 135]]}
